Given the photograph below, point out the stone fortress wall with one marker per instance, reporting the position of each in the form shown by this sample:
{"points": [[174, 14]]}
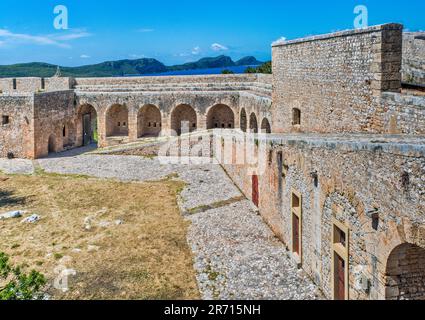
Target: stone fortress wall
{"points": [[339, 169], [343, 185], [414, 57]]}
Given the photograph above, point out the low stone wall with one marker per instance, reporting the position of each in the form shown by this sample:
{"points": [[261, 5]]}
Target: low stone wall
{"points": [[404, 113], [54, 121], [414, 57], [332, 83], [342, 179], [17, 135], [28, 85], [166, 80]]}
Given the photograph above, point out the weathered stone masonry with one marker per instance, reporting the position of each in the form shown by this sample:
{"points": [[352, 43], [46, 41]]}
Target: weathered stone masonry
{"points": [[344, 179]]}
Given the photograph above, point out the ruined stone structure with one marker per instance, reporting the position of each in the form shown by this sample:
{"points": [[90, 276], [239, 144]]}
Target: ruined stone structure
{"points": [[344, 179]]}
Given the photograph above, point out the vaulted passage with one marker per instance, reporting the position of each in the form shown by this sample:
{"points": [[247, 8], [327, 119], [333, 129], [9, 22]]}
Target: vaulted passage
{"points": [[117, 121], [149, 121], [253, 123], [265, 126], [183, 119], [52, 144], [244, 120], [220, 116], [405, 274], [87, 129]]}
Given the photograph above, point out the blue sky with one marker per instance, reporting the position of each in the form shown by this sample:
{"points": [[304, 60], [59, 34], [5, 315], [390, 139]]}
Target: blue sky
{"points": [[178, 31]]}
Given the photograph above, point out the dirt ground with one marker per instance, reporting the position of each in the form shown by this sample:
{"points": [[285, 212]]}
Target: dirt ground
{"points": [[124, 240]]}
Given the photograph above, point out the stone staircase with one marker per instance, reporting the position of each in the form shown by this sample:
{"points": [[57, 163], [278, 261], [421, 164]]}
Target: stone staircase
{"points": [[261, 88]]}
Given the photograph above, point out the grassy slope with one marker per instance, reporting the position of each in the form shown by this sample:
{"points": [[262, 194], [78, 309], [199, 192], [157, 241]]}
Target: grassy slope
{"points": [[147, 257]]}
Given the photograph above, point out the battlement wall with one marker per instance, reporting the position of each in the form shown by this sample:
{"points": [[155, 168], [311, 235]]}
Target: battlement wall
{"points": [[333, 83]]}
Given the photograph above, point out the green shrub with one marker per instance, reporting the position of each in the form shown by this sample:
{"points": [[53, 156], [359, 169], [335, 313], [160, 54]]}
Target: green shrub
{"points": [[264, 68], [18, 285], [227, 71]]}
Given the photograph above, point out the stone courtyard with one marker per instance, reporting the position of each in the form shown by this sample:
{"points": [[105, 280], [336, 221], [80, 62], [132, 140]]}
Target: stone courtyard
{"points": [[236, 255], [318, 171]]}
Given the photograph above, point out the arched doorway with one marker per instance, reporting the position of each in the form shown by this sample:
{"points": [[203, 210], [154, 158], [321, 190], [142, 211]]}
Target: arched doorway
{"points": [[405, 273], [243, 120], [265, 126], [87, 128], [253, 124], [220, 117], [52, 144], [181, 117], [117, 121], [149, 121]]}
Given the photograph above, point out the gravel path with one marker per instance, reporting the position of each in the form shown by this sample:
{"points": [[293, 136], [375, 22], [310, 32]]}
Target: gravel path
{"points": [[18, 166], [236, 255]]}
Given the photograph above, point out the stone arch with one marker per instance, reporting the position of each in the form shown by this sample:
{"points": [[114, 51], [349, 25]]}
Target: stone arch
{"points": [[51, 144], [220, 116], [253, 123], [149, 121], [181, 115], [117, 120], [405, 273], [87, 125], [243, 120], [265, 126], [68, 134]]}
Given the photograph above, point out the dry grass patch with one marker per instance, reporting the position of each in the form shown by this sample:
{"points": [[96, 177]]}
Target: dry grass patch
{"points": [[145, 257]]}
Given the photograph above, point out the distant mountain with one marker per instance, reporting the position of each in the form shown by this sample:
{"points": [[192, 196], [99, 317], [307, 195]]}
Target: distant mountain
{"points": [[248, 61], [205, 63], [119, 68]]}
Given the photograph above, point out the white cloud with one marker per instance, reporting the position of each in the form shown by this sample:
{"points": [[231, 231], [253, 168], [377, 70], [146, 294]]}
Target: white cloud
{"points": [[72, 36], [145, 30], [8, 36], [281, 40], [218, 47], [84, 56], [137, 56], [58, 40], [196, 51]]}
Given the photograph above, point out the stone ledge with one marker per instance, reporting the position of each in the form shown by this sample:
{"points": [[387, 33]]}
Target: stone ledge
{"points": [[344, 33], [404, 99], [411, 146]]}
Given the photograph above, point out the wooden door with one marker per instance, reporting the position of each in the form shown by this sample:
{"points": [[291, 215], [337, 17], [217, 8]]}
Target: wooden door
{"points": [[255, 191], [339, 278], [296, 233]]}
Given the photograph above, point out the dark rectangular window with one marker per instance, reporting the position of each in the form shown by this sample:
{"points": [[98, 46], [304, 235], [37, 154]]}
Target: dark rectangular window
{"points": [[339, 236], [43, 84], [295, 201], [5, 120], [14, 84]]}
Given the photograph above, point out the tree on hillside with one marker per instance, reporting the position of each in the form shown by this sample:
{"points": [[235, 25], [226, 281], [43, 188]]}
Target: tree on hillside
{"points": [[264, 68], [227, 71]]}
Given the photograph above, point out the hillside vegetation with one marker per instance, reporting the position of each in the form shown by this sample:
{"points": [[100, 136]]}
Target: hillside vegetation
{"points": [[118, 68]]}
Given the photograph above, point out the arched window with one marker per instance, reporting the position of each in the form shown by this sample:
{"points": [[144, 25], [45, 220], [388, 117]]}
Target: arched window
{"points": [[296, 117], [116, 121], [265, 126], [183, 118], [253, 124], [147, 119], [244, 120], [220, 116]]}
